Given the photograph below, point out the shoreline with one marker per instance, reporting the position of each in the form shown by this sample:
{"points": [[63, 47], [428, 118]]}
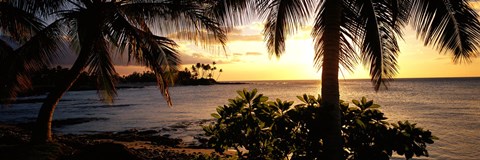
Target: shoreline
{"points": [[147, 144], [42, 90], [183, 133]]}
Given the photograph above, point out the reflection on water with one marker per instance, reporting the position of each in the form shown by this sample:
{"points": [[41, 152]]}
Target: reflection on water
{"points": [[448, 107]]}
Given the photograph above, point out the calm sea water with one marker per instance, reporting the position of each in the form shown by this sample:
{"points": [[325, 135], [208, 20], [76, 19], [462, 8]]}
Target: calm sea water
{"points": [[450, 108]]}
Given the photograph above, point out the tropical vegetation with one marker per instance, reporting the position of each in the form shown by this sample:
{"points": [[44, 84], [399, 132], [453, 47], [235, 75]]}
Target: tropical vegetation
{"points": [[97, 30], [259, 128], [205, 71], [200, 74], [44, 80], [348, 32], [26, 45]]}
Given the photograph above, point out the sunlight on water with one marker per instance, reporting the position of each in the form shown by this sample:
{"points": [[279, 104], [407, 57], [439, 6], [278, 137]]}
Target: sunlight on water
{"points": [[448, 107]]}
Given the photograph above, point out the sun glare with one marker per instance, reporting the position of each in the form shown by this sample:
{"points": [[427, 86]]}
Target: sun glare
{"points": [[247, 58]]}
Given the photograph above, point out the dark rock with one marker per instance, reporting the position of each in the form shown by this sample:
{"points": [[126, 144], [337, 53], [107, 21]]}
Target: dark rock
{"points": [[165, 141], [73, 121], [148, 132], [130, 131], [105, 151]]}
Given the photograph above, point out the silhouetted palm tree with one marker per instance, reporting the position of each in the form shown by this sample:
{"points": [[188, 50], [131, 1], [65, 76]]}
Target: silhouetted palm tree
{"points": [[371, 25], [206, 69], [219, 73], [100, 29], [26, 46], [194, 71], [212, 72], [199, 67]]}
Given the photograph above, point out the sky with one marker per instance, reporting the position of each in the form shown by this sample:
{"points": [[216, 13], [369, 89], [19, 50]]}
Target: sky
{"points": [[246, 58]]}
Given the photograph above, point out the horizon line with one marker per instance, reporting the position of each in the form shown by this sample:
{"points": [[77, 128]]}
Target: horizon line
{"points": [[340, 79]]}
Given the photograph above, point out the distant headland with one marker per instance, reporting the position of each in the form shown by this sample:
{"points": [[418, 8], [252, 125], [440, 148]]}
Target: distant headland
{"points": [[199, 74]]}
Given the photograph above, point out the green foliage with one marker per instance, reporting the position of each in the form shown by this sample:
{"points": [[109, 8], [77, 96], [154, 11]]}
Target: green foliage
{"points": [[261, 129]]}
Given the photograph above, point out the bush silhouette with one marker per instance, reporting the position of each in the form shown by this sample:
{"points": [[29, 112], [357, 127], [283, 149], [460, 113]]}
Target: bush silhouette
{"points": [[260, 129]]}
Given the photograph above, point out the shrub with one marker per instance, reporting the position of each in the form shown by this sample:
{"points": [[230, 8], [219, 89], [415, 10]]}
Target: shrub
{"points": [[261, 129]]}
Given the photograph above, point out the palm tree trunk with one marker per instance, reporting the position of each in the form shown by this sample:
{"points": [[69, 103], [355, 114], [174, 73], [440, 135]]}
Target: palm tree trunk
{"points": [[219, 73], [331, 120], [42, 132]]}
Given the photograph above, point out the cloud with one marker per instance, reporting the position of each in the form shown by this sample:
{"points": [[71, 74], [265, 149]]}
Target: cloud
{"points": [[219, 59], [442, 58], [235, 31], [239, 37], [233, 35], [245, 33], [238, 54], [195, 58], [201, 38], [253, 54]]}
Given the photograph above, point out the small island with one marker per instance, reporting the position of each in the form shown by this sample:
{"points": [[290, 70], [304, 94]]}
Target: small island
{"points": [[199, 74]]}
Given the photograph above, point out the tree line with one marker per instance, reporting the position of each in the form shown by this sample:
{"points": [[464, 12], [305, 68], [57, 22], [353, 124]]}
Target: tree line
{"points": [[46, 78]]}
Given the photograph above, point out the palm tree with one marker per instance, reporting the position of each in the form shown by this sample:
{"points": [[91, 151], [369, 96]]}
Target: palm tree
{"points": [[219, 73], [199, 67], [24, 43], [100, 29], [212, 72], [206, 69], [194, 70], [372, 26]]}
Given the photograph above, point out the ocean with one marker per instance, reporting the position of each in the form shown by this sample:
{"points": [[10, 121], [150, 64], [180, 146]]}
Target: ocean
{"points": [[449, 107]]}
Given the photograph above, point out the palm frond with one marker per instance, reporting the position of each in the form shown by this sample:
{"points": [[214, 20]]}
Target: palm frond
{"points": [[37, 53], [284, 17], [172, 16], [100, 65], [155, 52], [349, 30], [318, 37], [43, 8], [43, 48], [7, 71], [232, 13], [382, 22], [92, 32], [160, 55], [17, 23], [349, 42], [7, 45], [126, 37], [86, 35], [348, 50], [126, 26], [69, 19], [449, 25]]}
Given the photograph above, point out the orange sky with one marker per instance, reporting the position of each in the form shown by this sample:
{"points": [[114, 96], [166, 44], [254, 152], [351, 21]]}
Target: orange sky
{"points": [[247, 59]]}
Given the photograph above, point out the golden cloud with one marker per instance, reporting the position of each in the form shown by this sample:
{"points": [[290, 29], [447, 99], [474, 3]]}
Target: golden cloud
{"points": [[253, 54]]}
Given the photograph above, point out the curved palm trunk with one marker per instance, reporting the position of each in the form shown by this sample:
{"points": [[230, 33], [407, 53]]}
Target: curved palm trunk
{"points": [[42, 132], [219, 73], [331, 120]]}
